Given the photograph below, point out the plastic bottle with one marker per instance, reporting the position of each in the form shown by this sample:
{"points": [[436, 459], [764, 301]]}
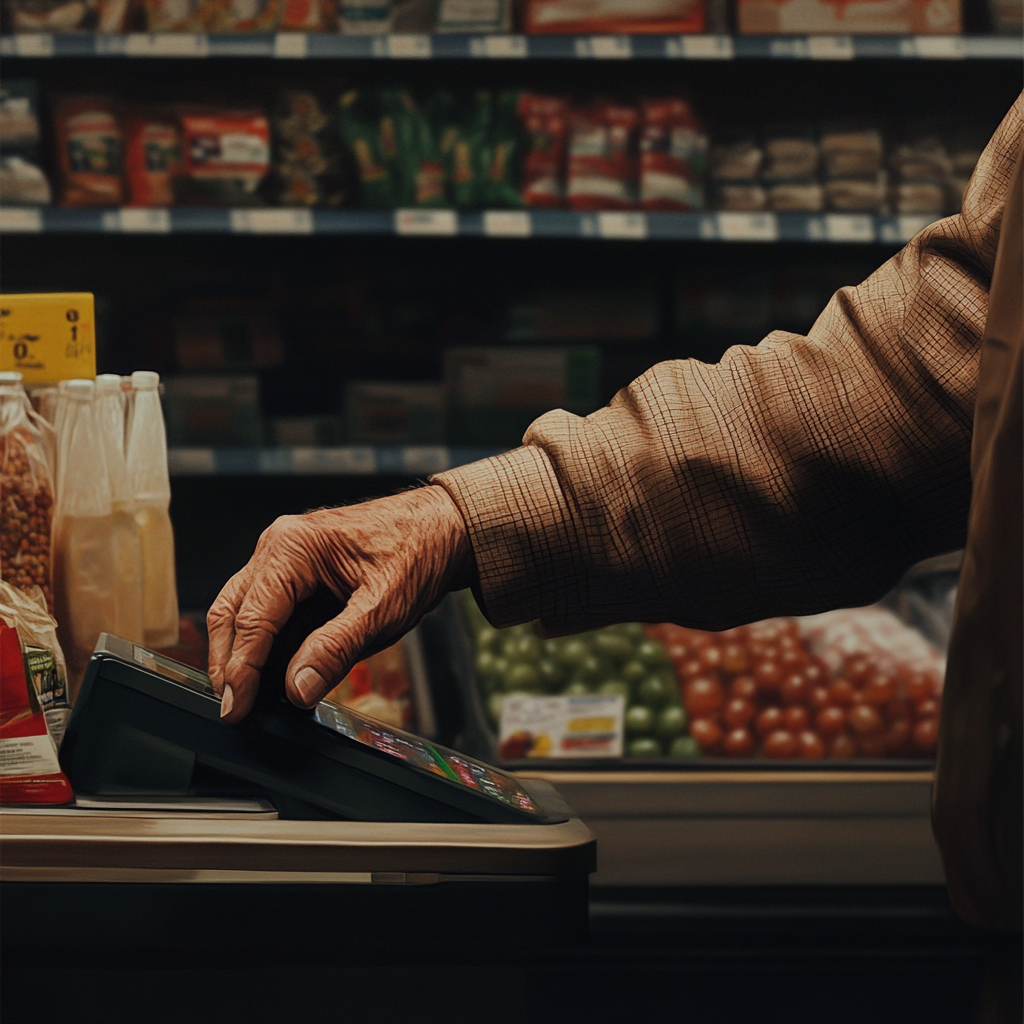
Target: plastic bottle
{"points": [[127, 541], [147, 470], [84, 576]]}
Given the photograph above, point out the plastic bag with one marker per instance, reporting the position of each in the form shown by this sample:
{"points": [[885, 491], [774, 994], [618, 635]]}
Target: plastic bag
{"points": [[502, 155], [108, 16], [673, 151], [225, 157], [44, 660], [602, 157], [152, 158], [26, 492], [545, 122], [88, 151], [147, 470], [241, 15], [84, 577], [110, 406], [369, 134]]}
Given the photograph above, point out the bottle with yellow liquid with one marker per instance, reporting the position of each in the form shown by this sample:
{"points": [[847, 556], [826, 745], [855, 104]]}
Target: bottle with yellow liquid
{"points": [[147, 471]]}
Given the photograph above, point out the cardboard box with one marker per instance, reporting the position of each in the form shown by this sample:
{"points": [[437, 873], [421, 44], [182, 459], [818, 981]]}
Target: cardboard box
{"points": [[849, 17]]}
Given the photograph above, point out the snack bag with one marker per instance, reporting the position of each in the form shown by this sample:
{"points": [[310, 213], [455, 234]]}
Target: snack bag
{"points": [[108, 16], [240, 15], [88, 151], [460, 128], [147, 471], [602, 157], [504, 146], [44, 660], [369, 133], [174, 15], [673, 151], [308, 16], [84, 576], [418, 160], [545, 122], [29, 770], [26, 491], [225, 156], [152, 158]]}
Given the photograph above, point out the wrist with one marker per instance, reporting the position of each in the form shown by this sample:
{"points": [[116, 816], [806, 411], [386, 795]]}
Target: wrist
{"points": [[457, 551]]}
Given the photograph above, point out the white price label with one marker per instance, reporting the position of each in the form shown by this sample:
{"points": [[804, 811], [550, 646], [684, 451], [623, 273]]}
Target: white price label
{"points": [[748, 227], [33, 44], [20, 219], [830, 47], [605, 47], [426, 222], [409, 46], [939, 47], [704, 47], [842, 227], [358, 461], [508, 224], [166, 44], [294, 45], [498, 46], [796, 48], [144, 221], [272, 222], [191, 461], [1002, 47], [622, 225], [425, 459]]}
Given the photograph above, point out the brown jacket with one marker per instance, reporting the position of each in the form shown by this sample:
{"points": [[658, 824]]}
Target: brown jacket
{"points": [[804, 474]]}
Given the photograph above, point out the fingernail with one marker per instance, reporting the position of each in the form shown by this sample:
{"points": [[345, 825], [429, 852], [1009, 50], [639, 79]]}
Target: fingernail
{"points": [[309, 684], [227, 701]]}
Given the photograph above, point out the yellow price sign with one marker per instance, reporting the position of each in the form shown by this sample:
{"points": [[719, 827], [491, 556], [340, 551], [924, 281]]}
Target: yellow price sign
{"points": [[48, 337]]}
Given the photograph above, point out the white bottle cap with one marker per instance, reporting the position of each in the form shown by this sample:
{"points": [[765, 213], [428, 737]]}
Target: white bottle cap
{"points": [[106, 383], [145, 380], [81, 390], [10, 377]]}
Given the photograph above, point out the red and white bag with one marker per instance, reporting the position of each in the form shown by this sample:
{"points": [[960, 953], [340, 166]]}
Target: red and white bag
{"points": [[602, 168]]}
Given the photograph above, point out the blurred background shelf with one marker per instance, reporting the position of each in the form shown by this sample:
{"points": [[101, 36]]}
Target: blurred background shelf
{"points": [[321, 46]]}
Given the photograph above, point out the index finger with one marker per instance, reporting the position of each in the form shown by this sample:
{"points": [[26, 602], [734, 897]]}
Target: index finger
{"points": [[220, 625]]}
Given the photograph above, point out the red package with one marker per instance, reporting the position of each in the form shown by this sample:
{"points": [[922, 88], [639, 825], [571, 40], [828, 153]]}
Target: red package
{"points": [[618, 16], [152, 156], [88, 151], [225, 155], [544, 120], [29, 771], [602, 157], [673, 152]]}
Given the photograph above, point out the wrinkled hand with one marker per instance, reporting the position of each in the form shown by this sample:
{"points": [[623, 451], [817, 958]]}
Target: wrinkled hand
{"points": [[390, 559]]}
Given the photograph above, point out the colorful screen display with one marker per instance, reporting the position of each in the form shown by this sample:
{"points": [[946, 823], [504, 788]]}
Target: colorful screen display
{"points": [[425, 756]]}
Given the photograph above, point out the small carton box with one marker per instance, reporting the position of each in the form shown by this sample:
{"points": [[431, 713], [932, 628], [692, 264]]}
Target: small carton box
{"points": [[213, 410], [849, 17], [48, 337]]}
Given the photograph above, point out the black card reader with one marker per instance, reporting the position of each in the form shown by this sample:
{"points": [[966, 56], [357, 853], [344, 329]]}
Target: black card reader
{"points": [[145, 724]]}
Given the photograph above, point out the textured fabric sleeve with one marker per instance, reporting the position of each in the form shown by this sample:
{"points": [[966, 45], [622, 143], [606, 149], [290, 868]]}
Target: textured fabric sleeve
{"points": [[797, 475]]}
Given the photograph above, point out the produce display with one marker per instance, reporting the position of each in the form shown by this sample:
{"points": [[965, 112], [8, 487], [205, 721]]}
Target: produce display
{"points": [[848, 684]]}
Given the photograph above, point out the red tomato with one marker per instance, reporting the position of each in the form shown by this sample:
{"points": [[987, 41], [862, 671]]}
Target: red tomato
{"points": [[879, 689], [796, 718], [690, 668], [794, 689], [816, 673], [830, 721], [768, 675], [928, 709], [841, 691], [899, 708], [699, 638], [780, 744], [810, 746], [820, 698], [768, 721], [707, 732], [734, 658], [738, 713], [921, 686], [677, 652], [843, 747], [711, 657], [702, 696], [864, 720], [857, 669], [926, 736], [792, 659], [743, 686], [738, 743], [873, 746], [897, 735]]}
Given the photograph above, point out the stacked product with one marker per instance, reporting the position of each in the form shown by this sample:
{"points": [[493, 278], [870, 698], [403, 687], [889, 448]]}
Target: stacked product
{"points": [[306, 157], [22, 181]]}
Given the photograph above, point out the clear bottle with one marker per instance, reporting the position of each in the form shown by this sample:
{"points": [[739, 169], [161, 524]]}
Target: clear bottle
{"points": [[147, 470], [84, 575], [127, 540]]}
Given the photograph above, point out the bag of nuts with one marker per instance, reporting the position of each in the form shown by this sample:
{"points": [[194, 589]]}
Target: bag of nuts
{"points": [[26, 493]]}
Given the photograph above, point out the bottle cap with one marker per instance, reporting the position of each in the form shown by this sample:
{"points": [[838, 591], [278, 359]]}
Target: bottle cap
{"points": [[108, 383], [81, 390], [10, 377], [145, 380]]}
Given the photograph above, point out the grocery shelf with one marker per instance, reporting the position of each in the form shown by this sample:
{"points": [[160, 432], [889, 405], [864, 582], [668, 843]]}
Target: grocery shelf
{"points": [[317, 46], [354, 460], [696, 227]]}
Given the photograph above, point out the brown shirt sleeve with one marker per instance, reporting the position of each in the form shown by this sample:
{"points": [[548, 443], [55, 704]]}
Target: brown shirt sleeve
{"points": [[802, 474]]}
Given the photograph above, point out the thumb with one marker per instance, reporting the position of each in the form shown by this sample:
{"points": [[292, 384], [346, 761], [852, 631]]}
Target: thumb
{"points": [[328, 654]]}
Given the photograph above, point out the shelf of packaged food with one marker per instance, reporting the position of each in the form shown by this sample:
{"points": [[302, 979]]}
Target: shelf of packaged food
{"points": [[352, 460], [316, 46], [628, 225]]}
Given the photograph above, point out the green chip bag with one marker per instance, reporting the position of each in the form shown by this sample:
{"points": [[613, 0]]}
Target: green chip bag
{"points": [[368, 130]]}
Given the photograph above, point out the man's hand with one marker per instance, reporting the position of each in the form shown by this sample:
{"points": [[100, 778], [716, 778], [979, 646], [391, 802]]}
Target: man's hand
{"points": [[390, 559]]}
